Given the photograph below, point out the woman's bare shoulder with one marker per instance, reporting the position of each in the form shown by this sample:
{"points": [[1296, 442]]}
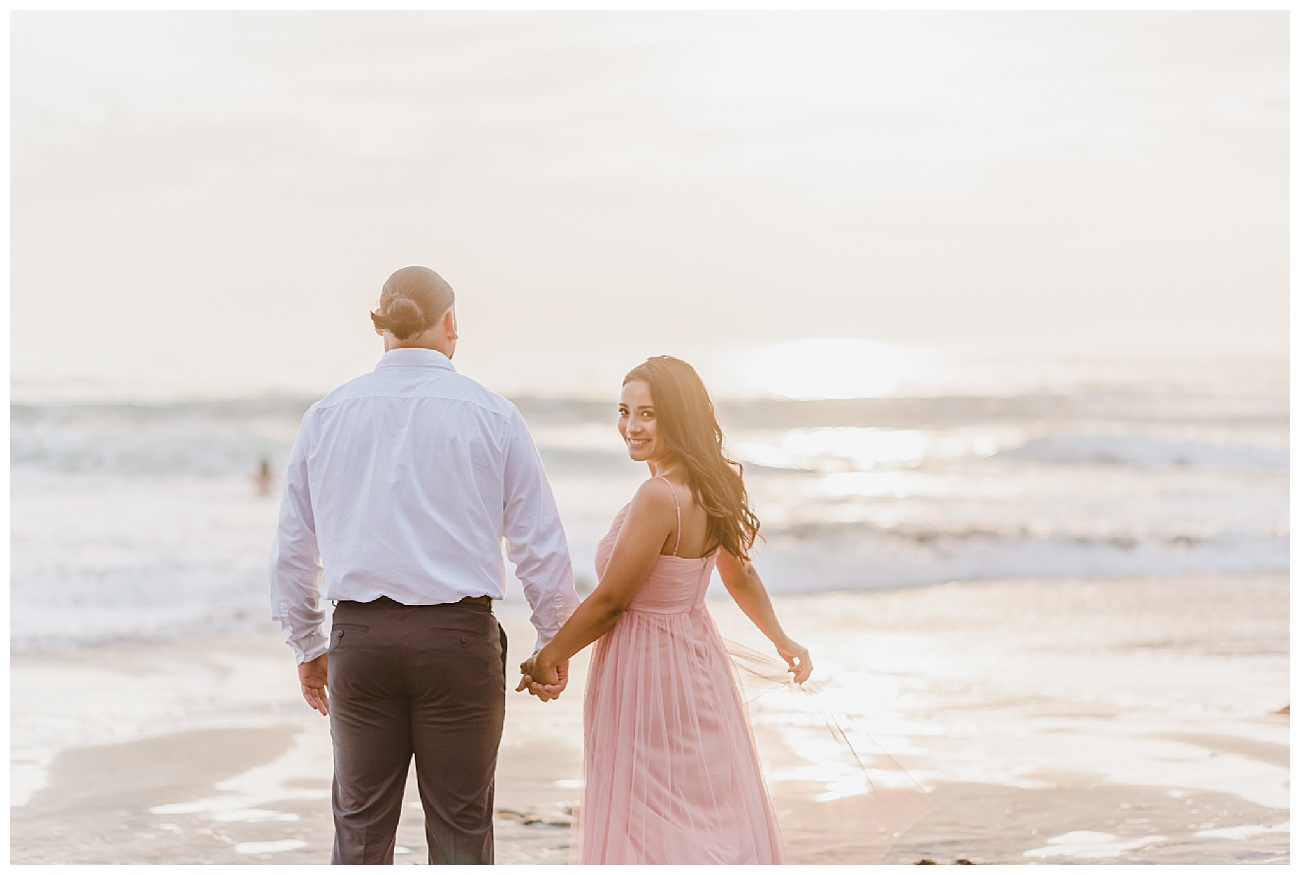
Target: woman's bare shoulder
{"points": [[654, 497]]}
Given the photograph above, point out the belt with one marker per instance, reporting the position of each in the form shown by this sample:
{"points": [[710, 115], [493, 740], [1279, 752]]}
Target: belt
{"points": [[483, 600]]}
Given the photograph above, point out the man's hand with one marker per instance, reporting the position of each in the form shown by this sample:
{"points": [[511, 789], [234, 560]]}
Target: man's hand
{"points": [[533, 675], [314, 678]]}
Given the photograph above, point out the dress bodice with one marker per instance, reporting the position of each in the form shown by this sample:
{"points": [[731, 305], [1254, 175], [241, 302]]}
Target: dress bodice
{"points": [[674, 585]]}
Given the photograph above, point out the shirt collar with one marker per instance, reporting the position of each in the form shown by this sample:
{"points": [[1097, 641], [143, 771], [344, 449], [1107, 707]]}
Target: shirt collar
{"points": [[415, 357]]}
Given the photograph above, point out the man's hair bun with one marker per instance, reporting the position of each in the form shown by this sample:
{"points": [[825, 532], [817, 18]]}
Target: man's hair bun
{"points": [[412, 300], [402, 316]]}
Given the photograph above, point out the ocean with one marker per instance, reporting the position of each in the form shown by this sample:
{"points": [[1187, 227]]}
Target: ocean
{"points": [[142, 518]]}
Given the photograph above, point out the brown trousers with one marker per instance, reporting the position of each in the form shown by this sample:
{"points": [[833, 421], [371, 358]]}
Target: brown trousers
{"points": [[426, 681]]}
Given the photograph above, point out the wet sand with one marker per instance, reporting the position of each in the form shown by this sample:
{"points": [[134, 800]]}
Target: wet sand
{"points": [[1129, 721]]}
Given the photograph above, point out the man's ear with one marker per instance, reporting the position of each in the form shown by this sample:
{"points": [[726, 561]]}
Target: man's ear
{"points": [[449, 323]]}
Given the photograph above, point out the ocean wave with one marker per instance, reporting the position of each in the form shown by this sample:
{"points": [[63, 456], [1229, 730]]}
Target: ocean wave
{"points": [[201, 449], [893, 411], [205, 448], [220, 409], [1073, 449], [81, 606], [103, 606], [805, 559]]}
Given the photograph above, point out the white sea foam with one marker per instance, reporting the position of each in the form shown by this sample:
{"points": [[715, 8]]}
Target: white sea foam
{"points": [[1088, 845], [1241, 833], [272, 847]]}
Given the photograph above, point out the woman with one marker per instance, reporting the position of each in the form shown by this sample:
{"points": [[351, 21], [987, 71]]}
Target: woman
{"points": [[671, 771]]}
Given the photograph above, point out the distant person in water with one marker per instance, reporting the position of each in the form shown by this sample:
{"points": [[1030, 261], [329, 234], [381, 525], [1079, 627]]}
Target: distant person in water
{"points": [[399, 489], [263, 478], [672, 774]]}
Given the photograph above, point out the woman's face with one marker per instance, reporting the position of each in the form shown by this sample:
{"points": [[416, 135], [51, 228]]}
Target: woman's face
{"points": [[637, 424]]}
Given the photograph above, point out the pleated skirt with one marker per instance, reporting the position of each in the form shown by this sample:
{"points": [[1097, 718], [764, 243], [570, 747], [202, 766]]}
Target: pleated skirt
{"points": [[670, 767]]}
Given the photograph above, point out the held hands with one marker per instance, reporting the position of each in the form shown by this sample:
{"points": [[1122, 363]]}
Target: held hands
{"points": [[796, 656], [543, 680], [546, 682]]}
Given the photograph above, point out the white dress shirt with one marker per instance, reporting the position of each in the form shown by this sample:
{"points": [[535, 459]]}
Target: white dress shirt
{"points": [[402, 483]]}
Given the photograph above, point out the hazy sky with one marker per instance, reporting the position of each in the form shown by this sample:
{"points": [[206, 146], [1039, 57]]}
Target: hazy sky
{"points": [[210, 197]]}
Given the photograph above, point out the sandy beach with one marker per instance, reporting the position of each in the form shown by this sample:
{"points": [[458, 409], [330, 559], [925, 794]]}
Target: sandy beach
{"points": [[1117, 721]]}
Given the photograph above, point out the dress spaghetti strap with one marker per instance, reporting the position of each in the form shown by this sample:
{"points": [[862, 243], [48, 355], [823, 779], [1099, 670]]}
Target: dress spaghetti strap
{"points": [[677, 505]]}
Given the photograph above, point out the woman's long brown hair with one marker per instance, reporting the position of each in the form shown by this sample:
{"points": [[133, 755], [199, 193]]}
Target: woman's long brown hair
{"points": [[689, 428]]}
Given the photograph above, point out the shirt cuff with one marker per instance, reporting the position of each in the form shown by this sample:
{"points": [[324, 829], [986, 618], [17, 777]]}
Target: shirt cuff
{"points": [[311, 647]]}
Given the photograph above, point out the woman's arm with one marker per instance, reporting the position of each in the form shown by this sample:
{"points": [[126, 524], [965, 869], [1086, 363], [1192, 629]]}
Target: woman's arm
{"points": [[650, 520], [746, 587]]}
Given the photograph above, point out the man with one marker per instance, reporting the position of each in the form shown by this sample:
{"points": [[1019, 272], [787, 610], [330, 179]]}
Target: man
{"points": [[400, 486]]}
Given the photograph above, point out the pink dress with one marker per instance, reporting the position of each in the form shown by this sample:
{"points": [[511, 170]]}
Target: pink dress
{"points": [[671, 771]]}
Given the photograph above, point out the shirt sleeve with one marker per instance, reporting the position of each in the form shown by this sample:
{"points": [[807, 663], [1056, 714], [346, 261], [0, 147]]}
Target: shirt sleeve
{"points": [[295, 566], [535, 539]]}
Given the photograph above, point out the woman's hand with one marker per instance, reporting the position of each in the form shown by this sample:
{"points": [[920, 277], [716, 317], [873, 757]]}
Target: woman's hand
{"points": [[542, 679], [796, 656], [540, 670]]}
